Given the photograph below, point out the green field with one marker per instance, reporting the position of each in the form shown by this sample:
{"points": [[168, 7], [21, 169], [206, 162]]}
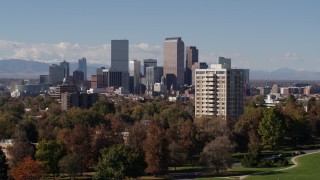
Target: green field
{"points": [[308, 168]]}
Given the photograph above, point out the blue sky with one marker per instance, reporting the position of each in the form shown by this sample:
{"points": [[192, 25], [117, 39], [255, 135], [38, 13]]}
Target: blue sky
{"points": [[255, 34]]}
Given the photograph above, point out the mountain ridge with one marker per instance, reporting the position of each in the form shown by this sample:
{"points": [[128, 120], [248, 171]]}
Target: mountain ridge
{"points": [[22, 69]]}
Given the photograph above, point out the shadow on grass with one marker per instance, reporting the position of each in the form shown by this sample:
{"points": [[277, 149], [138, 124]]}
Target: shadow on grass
{"points": [[268, 173]]}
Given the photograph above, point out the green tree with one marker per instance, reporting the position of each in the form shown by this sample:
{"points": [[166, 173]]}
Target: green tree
{"points": [[87, 117], [253, 158], [272, 128], [298, 132], [118, 162], [103, 107], [8, 124], [70, 164], [28, 124], [247, 127], [49, 153], [3, 165]]}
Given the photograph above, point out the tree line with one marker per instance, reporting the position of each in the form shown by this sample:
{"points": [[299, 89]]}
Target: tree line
{"points": [[162, 134]]}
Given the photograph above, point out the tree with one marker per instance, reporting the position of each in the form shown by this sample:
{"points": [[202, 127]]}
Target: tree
{"points": [[272, 128], [27, 169], [28, 124], [21, 148], [103, 107], [246, 129], [217, 154], [83, 116], [298, 132], [49, 153], [155, 148], [102, 137], [8, 124], [188, 141], [118, 162], [3, 165], [70, 164], [137, 135], [253, 158], [78, 141]]}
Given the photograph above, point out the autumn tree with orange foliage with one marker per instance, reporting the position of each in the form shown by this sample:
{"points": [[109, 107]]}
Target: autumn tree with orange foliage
{"points": [[155, 147], [27, 169]]}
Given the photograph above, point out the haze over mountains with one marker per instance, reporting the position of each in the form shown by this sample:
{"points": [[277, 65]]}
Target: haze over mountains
{"points": [[23, 69], [19, 69]]}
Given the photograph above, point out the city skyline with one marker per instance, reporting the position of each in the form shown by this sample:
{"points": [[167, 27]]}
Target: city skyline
{"points": [[255, 35]]}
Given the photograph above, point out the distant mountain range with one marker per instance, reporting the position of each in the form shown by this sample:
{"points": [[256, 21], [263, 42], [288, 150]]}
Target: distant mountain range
{"points": [[284, 74], [24, 69]]}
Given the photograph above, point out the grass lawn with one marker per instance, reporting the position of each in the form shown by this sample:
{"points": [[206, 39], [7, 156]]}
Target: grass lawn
{"points": [[308, 168], [237, 171]]}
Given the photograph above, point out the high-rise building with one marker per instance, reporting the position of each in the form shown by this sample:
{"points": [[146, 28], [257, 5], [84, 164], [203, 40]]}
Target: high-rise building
{"points": [[81, 100], [78, 77], [120, 55], [66, 68], [82, 66], [148, 63], [134, 73], [219, 90], [173, 68], [44, 79], [197, 65], [153, 75], [56, 74], [191, 58], [120, 60]]}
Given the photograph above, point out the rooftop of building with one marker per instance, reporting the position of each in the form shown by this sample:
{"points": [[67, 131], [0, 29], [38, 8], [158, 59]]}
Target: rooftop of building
{"points": [[173, 38]]}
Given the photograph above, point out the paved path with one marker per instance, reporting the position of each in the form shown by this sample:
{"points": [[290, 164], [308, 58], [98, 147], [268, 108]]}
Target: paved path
{"points": [[295, 163]]}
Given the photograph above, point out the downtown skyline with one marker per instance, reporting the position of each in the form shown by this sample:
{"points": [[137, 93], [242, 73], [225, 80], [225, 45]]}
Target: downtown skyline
{"points": [[255, 35]]}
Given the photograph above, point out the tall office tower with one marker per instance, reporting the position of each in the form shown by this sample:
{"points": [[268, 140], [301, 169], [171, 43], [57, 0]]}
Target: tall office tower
{"points": [[195, 66], [173, 68], [219, 90], [56, 74], [82, 66], [120, 55], [44, 79], [148, 63], [65, 66], [134, 73], [120, 60], [78, 77], [153, 75], [246, 82], [191, 58]]}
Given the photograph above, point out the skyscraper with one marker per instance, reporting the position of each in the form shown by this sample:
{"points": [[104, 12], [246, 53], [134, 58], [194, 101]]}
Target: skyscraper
{"points": [[56, 74], [195, 66], [191, 58], [173, 68], [120, 55], [120, 60], [82, 66], [66, 68], [153, 75], [148, 63], [134, 73], [220, 90]]}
